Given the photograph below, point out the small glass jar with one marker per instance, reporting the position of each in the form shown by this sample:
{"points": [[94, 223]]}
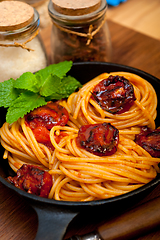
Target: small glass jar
{"points": [[79, 37], [21, 49]]}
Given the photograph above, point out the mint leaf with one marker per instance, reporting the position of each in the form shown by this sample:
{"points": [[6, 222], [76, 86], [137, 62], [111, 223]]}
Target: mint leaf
{"points": [[69, 85], [27, 81], [56, 88], [30, 91], [51, 85], [64, 88], [7, 93], [59, 69], [25, 103]]}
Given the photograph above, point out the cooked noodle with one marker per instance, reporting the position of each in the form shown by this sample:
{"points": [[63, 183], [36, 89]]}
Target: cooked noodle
{"points": [[79, 175], [83, 108]]}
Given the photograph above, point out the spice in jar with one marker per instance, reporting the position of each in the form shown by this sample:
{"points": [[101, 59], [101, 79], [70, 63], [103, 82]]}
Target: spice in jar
{"points": [[21, 49], [79, 31]]}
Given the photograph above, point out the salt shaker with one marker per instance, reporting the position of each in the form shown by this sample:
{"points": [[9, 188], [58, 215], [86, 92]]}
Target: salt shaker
{"points": [[21, 49], [79, 31]]}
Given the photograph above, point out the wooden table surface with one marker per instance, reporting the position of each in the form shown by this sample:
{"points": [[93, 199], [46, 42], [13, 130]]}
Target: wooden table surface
{"points": [[17, 219], [140, 15]]}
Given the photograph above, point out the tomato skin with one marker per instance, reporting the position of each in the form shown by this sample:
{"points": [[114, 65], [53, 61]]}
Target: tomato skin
{"points": [[149, 140], [42, 119], [48, 116], [41, 134], [32, 179], [114, 94], [100, 139]]}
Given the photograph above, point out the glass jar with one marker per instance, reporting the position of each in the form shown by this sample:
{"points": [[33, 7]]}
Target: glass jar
{"points": [[81, 37], [21, 49], [42, 7]]}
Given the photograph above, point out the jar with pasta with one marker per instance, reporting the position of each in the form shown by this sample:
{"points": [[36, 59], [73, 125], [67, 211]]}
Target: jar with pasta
{"points": [[79, 31], [21, 48]]}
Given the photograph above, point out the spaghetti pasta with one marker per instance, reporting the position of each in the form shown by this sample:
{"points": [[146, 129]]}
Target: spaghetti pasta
{"points": [[142, 113], [79, 175]]}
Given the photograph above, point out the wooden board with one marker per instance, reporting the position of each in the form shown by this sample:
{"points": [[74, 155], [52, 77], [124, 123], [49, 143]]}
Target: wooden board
{"points": [[140, 15]]}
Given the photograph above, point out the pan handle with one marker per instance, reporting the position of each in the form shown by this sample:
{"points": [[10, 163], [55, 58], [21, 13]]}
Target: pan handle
{"points": [[52, 222]]}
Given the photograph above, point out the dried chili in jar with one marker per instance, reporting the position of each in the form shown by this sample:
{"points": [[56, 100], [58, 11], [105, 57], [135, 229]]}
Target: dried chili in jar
{"points": [[79, 32]]}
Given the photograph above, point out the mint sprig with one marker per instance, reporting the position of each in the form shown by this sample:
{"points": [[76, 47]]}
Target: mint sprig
{"points": [[30, 91]]}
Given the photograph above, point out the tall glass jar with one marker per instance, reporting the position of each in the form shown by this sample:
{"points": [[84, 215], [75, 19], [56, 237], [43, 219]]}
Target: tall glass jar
{"points": [[21, 49], [81, 37]]}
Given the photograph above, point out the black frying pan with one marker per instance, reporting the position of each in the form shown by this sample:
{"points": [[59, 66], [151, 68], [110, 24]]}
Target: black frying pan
{"points": [[55, 216]]}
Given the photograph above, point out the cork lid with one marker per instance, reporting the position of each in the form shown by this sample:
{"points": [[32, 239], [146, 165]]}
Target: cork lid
{"points": [[77, 7], [15, 15]]}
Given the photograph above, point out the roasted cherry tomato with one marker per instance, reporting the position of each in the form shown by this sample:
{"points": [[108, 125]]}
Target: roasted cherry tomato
{"points": [[42, 119], [114, 94], [32, 179], [99, 139], [149, 140], [49, 115]]}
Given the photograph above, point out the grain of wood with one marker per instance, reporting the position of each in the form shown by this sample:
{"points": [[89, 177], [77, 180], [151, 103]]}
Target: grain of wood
{"points": [[140, 15]]}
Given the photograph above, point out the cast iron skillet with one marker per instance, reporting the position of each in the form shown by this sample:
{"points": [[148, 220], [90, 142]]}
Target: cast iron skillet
{"points": [[55, 216]]}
